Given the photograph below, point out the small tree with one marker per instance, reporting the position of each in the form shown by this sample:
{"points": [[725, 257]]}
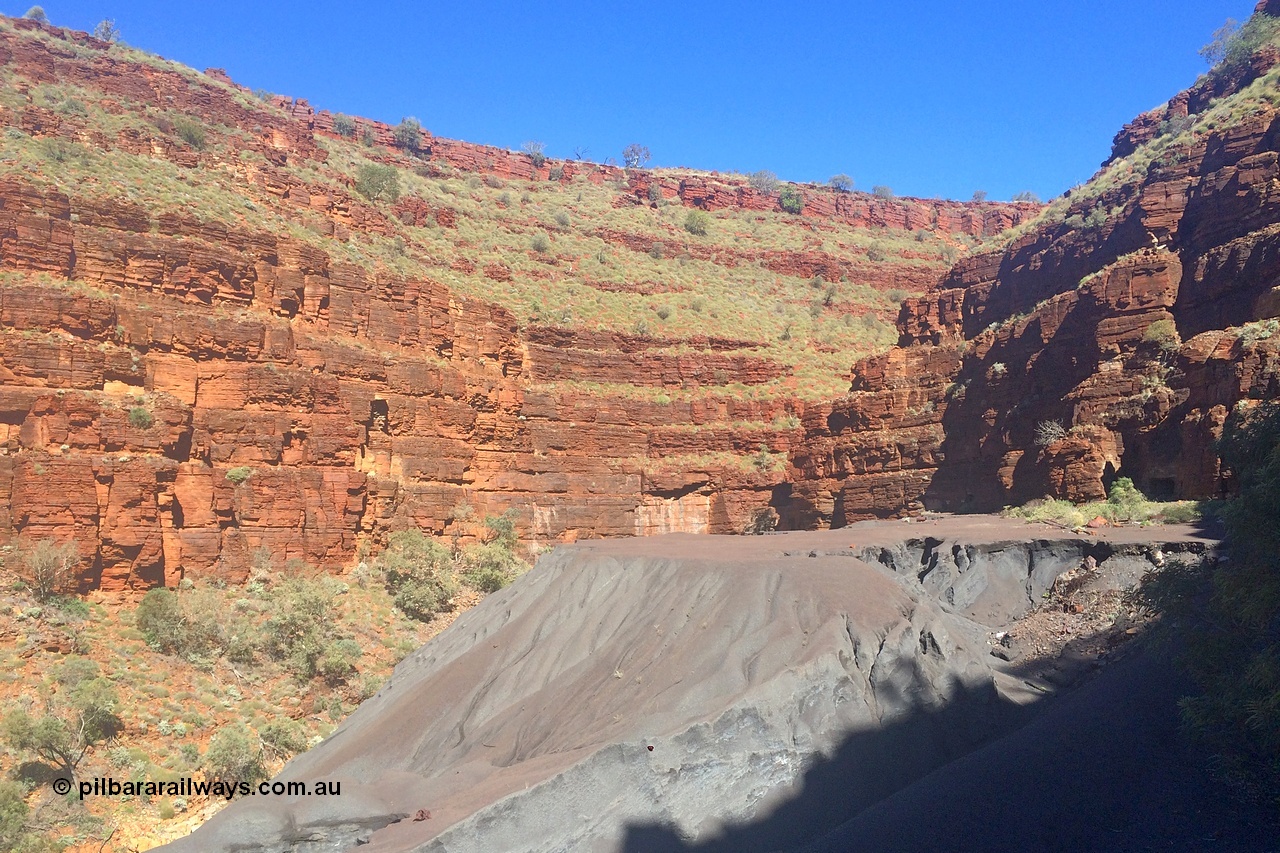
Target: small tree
{"points": [[83, 716], [36, 13], [881, 191], [636, 156], [1234, 43], [841, 183], [697, 222], [107, 31], [300, 630], [377, 182], [344, 126], [764, 181], [408, 134], [979, 195], [536, 152], [1027, 196], [49, 568], [790, 199]]}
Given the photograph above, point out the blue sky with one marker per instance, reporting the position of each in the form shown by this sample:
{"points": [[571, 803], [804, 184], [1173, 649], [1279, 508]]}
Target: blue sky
{"points": [[929, 98]]}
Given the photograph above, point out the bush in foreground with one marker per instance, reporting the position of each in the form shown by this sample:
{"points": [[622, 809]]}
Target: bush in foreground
{"points": [[1231, 613]]}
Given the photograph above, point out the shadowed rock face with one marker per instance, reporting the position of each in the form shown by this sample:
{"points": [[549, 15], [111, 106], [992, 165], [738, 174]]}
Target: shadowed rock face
{"points": [[679, 680]]}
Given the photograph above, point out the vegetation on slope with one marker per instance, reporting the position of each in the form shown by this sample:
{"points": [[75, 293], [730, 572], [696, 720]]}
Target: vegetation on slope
{"points": [[205, 681], [1125, 504], [572, 252], [1108, 195], [1228, 611]]}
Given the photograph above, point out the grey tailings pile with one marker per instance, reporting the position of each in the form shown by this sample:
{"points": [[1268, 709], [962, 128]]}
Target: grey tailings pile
{"points": [[693, 683]]}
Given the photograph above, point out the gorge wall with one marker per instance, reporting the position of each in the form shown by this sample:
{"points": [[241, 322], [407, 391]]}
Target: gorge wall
{"points": [[180, 387], [1116, 338]]}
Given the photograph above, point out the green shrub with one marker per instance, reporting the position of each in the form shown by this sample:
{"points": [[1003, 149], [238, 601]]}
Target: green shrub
{"points": [[344, 126], [338, 661], [368, 138], [408, 134], [979, 196], [301, 625], [881, 191], [1233, 44], [419, 574], [239, 474], [235, 755], [562, 219], [657, 251], [790, 199], [159, 618], [284, 738], [36, 13], [72, 107], [140, 418], [556, 173], [13, 803], [489, 567], [189, 131], [697, 222], [190, 625], [540, 243], [1027, 196], [841, 183], [1163, 333], [655, 192], [377, 182]]}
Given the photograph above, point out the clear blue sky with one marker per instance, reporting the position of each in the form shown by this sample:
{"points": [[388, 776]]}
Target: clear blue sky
{"points": [[929, 98]]}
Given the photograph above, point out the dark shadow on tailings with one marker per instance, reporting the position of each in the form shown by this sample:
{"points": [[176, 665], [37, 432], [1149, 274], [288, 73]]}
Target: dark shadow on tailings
{"points": [[867, 767], [1104, 767]]}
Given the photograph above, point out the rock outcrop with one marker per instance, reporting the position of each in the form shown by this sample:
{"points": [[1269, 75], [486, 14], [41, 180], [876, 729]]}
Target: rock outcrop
{"points": [[1114, 339], [183, 385], [221, 369]]}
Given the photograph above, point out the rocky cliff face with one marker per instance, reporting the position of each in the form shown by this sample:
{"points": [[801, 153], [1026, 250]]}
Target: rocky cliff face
{"points": [[1112, 337], [212, 342]]}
